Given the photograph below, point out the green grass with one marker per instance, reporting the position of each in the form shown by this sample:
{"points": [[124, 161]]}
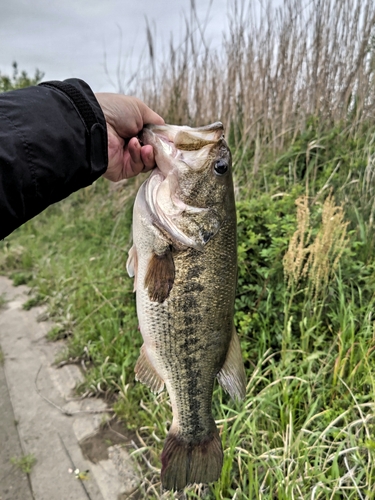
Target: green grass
{"points": [[25, 463], [306, 428]]}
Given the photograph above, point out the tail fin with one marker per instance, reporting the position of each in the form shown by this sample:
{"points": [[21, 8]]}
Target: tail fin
{"points": [[185, 462]]}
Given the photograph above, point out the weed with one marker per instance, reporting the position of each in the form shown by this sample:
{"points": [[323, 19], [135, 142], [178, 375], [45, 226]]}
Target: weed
{"points": [[57, 332], [20, 278], [319, 259], [33, 302], [3, 300], [25, 463]]}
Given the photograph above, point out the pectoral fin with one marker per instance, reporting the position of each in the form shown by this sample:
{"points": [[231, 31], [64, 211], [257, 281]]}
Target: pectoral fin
{"points": [[159, 277], [232, 376], [132, 265], [146, 373]]}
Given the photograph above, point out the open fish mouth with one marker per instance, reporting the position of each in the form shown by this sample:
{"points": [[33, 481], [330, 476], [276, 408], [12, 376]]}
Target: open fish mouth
{"points": [[183, 145]]}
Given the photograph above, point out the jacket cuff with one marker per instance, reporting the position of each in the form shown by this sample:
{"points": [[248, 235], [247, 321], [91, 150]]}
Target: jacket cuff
{"points": [[86, 104]]}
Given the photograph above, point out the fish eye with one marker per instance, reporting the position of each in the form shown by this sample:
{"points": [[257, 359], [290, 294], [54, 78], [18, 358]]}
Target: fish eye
{"points": [[221, 167]]}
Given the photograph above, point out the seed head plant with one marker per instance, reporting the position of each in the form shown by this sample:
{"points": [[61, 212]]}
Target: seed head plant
{"points": [[315, 257], [295, 258]]}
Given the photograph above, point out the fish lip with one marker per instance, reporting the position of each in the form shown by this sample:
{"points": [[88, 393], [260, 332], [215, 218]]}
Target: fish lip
{"points": [[163, 145], [148, 136], [168, 132]]}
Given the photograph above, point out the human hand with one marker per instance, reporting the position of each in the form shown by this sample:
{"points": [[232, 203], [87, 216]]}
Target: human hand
{"points": [[125, 117]]}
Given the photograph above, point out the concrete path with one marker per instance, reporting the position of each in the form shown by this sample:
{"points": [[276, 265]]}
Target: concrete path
{"points": [[13, 482], [30, 425]]}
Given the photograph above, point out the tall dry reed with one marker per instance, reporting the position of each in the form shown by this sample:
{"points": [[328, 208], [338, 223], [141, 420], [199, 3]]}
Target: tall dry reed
{"points": [[275, 67]]}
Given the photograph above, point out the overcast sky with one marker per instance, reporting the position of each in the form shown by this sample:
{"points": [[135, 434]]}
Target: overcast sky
{"points": [[74, 38]]}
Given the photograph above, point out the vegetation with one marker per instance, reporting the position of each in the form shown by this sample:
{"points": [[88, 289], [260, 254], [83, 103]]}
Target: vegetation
{"points": [[25, 463], [296, 90], [19, 80]]}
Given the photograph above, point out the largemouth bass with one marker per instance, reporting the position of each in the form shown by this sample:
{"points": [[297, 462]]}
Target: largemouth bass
{"points": [[184, 263]]}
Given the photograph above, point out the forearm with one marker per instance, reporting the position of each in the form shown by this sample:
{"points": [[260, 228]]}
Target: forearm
{"points": [[53, 141]]}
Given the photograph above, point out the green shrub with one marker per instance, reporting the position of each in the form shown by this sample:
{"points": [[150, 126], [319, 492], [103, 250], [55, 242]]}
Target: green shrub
{"points": [[19, 80]]}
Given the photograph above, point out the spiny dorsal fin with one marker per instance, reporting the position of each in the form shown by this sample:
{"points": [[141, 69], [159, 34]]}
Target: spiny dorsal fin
{"points": [[232, 376], [159, 277], [146, 373], [132, 265]]}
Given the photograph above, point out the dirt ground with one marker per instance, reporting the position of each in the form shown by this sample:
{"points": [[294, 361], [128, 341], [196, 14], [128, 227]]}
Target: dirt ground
{"points": [[95, 447]]}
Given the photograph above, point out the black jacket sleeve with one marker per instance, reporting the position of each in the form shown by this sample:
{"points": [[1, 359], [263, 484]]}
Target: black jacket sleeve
{"points": [[53, 141]]}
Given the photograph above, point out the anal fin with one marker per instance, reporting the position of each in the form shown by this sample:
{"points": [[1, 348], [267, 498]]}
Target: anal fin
{"points": [[232, 376], [146, 373], [159, 277]]}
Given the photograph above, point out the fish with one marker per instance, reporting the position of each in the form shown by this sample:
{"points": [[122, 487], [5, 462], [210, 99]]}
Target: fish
{"points": [[184, 264]]}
